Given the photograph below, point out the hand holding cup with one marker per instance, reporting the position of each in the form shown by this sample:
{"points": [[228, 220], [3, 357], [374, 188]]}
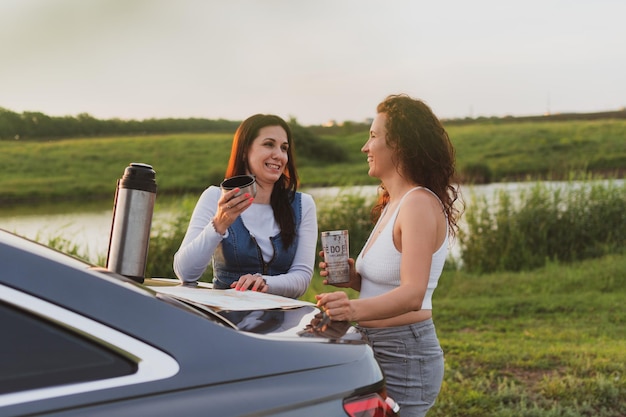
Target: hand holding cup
{"points": [[245, 183], [237, 195]]}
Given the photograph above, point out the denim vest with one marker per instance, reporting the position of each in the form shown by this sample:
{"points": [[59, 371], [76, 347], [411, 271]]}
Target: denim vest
{"points": [[239, 254]]}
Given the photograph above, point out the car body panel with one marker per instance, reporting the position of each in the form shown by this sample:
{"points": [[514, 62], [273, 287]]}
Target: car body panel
{"points": [[204, 364]]}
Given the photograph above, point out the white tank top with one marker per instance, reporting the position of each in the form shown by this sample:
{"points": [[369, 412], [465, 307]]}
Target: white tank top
{"points": [[380, 267]]}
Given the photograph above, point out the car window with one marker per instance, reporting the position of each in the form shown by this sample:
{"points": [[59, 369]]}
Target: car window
{"points": [[36, 353], [44, 344]]}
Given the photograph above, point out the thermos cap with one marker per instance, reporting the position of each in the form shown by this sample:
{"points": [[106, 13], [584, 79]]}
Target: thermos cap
{"points": [[139, 176]]}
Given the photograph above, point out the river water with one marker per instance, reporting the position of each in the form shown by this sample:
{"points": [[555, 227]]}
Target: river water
{"points": [[89, 226]]}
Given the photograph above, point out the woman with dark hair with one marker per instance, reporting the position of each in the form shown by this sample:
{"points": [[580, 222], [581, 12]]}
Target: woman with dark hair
{"points": [[264, 242], [399, 267]]}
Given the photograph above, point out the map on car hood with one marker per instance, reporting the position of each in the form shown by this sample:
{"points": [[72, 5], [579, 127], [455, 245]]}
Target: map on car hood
{"points": [[232, 299]]}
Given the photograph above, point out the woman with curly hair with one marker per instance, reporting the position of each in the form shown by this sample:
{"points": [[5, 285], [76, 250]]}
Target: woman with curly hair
{"points": [[399, 266]]}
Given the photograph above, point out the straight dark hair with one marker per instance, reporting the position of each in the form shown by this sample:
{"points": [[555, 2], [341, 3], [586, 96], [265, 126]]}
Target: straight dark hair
{"points": [[284, 190]]}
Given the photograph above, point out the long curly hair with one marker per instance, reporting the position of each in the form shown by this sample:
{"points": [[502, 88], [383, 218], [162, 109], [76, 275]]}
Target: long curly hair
{"points": [[423, 152], [284, 190]]}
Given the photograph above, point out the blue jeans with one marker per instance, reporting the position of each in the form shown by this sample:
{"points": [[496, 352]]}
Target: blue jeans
{"points": [[412, 361]]}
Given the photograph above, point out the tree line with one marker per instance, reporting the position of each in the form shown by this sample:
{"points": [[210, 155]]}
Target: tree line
{"points": [[34, 126], [37, 126]]}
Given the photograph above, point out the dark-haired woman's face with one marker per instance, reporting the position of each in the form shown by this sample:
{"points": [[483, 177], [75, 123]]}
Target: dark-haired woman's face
{"points": [[267, 155]]}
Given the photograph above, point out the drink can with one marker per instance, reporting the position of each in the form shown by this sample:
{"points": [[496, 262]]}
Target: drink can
{"points": [[335, 245]]}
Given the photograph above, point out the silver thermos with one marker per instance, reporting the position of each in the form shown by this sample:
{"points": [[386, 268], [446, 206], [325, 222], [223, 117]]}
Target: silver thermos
{"points": [[132, 218]]}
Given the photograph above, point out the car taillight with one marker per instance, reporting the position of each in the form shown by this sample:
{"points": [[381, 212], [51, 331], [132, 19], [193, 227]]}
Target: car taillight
{"points": [[373, 405]]}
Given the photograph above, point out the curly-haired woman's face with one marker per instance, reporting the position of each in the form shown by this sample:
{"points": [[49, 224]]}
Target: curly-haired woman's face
{"points": [[379, 154]]}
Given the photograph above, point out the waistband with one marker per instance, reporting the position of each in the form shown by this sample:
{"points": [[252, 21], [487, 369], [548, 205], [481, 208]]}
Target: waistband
{"points": [[413, 327]]}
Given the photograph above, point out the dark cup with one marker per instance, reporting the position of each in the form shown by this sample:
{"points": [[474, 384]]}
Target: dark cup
{"points": [[245, 183]]}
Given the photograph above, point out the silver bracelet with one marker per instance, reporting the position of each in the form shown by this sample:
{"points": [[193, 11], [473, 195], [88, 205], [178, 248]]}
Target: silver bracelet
{"points": [[214, 229]]}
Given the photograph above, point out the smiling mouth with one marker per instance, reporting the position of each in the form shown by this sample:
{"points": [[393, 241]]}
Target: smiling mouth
{"points": [[273, 166]]}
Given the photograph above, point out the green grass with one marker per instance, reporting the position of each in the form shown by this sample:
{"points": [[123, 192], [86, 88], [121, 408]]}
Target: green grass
{"points": [[88, 168], [541, 150], [551, 342]]}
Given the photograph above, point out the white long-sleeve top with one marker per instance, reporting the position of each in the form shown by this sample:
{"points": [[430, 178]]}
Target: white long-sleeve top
{"points": [[201, 240]]}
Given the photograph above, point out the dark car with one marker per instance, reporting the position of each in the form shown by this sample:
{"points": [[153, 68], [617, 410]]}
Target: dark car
{"points": [[79, 340]]}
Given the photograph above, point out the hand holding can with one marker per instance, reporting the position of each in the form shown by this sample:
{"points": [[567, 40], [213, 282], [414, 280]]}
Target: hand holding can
{"points": [[335, 245]]}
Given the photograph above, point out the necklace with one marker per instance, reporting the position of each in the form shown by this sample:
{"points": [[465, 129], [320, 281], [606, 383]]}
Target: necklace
{"points": [[383, 219]]}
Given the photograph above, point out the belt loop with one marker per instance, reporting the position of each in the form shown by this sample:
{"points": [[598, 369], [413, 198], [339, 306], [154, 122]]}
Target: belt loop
{"points": [[422, 326]]}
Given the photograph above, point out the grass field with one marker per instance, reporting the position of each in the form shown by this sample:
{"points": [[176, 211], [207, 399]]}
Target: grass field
{"points": [[551, 342], [542, 149], [89, 168]]}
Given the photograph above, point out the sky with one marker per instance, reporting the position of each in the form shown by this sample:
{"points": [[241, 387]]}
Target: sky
{"points": [[313, 60]]}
